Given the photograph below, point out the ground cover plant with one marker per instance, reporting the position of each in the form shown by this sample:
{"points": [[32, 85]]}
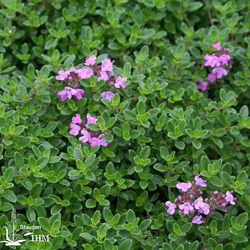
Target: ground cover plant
{"points": [[124, 124]]}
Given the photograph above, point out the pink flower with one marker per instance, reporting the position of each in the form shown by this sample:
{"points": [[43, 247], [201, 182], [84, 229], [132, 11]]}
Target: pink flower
{"points": [[86, 136], [62, 75], [103, 76], [68, 92], [186, 208], [199, 181], [91, 119], [108, 95], [171, 207], [184, 186], [197, 220], [94, 141], [230, 198], [85, 73], [201, 206], [76, 119], [72, 70], [65, 94], [103, 142], [119, 83], [216, 46], [79, 93], [224, 59], [211, 60], [211, 77], [220, 72], [75, 129], [203, 86], [106, 65], [90, 60]]}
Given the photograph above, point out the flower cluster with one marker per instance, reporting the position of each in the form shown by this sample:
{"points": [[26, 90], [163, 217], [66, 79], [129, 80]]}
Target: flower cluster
{"points": [[79, 127], [68, 92], [219, 62], [72, 76], [191, 201], [102, 71], [202, 86]]}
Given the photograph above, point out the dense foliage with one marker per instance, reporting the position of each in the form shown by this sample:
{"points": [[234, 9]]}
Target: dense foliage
{"points": [[124, 124]]}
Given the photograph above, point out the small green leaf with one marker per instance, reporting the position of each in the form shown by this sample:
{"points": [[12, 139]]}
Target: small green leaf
{"points": [[186, 227], [90, 160], [8, 174], [78, 155], [90, 203], [130, 216], [19, 160], [108, 245], [167, 246], [44, 223], [69, 60], [242, 218], [216, 181], [126, 245], [31, 214], [193, 6], [9, 195], [179, 144], [239, 238], [107, 215], [140, 108], [145, 224]]}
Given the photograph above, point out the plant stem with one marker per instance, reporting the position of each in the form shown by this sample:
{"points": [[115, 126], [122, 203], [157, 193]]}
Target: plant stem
{"points": [[209, 13]]}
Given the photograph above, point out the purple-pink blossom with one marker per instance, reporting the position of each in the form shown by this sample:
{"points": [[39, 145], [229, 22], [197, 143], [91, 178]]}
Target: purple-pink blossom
{"points": [[94, 141], [198, 220], [106, 65], [108, 95], [211, 60], [171, 207], [91, 119], [85, 73], [78, 93], [119, 83], [186, 208], [217, 61], [199, 181], [93, 138], [68, 92], [76, 119], [211, 77], [220, 72], [224, 59], [103, 76], [216, 46], [90, 60], [86, 136], [74, 129], [62, 75], [72, 70], [230, 198], [201, 206], [184, 186], [64, 94], [191, 201], [103, 142], [202, 86]]}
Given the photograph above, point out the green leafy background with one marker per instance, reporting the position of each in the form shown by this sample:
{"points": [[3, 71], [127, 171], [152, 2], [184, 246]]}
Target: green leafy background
{"points": [[162, 130]]}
